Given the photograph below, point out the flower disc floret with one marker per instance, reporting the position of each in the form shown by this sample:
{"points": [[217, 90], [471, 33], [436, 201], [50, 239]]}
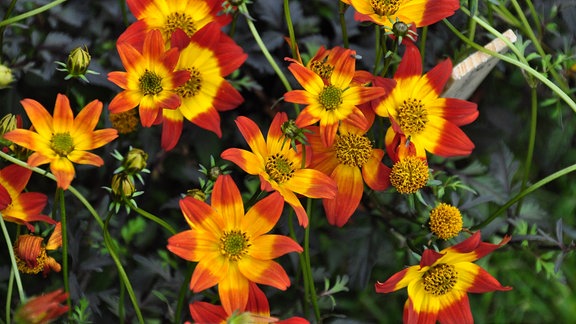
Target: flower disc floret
{"points": [[193, 86], [234, 244], [62, 143], [150, 83], [412, 116], [385, 7], [445, 221], [179, 20], [409, 174], [440, 279], [353, 150], [279, 168], [322, 68], [331, 97]]}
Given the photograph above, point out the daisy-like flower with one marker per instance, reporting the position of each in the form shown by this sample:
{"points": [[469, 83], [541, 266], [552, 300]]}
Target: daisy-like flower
{"points": [[410, 172], [438, 287], [62, 140], [445, 221], [209, 55], [17, 206], [417, 112], [149, 80], [231, 246], [279, 165], [168, 16], [351, 161], [334, 101], [418, 12]]}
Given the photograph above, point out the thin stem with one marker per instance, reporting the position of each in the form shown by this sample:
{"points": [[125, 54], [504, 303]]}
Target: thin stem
{"points": [[63, 222], [342, 13], [378, 49], [30, 13], [524, 193], [9, 295], [13, 259], [150, 216], [531, 143], [308, 266], [290, 26], [423, 37], [302, 262], [534, 15], [508, 59], [390, 56], [472, 23], [2, 29], [124, 11], [182, 294], [121, 314]]}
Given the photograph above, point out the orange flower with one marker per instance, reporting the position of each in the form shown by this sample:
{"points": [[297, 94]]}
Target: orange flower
{"points": [[438, 287], [418, 12], [62, 140], [168, 16], [42, 309], [149, 80], [30, 252], [19, 207], [209, 55], [417, 111], [350, 161], [279, 165], [410, 172], [231, 246], [334, 101]]}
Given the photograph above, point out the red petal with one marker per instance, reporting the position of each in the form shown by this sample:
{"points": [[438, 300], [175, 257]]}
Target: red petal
{"points": [[456, 313], [350, 189], [203, 312], [411, 64]]}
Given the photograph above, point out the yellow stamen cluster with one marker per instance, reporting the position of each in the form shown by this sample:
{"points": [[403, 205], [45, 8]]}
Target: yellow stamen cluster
{"points": [[330, 98], [279, 168], [409, 175], [385, 7], [445, 221], [440, 279], [192, 86], [412, 116], [125, 122], [62, 143], [150, 83], [234, 244], [323, 69], [179, 20], [353, 150]]}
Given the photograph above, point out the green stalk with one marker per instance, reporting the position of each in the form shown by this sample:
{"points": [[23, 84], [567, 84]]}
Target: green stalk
{"points": [[30, 13], [9, 294], [63, 222], [13, 261], [423, 37], [290, 26], [121, 314], [377, 49], [150, 216], [534, 15], [182, 294], [522, 65], [3, 28], [313, 296], [524, 193], [341, 12], [472, 23], [302, 262], [531, 143]]}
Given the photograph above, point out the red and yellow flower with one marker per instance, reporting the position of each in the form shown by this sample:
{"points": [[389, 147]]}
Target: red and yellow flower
{"points": [[62, 140], [149, 81], [438, 287], [331, 102], [409, 172], [418, 12], [417, 111], [42, 309], [231, 247], [279, 166], [19, 207], [209, 55], [30, 252], [351, 161], [168, 16]]}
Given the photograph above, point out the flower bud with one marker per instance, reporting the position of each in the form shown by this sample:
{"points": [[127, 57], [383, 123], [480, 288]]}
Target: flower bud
{"points": [[78, 61], [196, 194], [135, 161], [122, 186], [6, 76], [8, 123]]}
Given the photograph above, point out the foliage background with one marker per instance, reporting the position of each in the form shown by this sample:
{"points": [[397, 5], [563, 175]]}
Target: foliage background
{"points": [[539, 262]]}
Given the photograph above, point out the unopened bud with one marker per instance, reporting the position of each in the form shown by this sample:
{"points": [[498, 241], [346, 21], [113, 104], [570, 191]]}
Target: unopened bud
{"points": [[6, 76], [122, 186], [78, 61], [135, 161], [196, 194]]}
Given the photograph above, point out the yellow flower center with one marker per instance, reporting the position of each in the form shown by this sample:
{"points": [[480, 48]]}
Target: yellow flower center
{"points": [[150, 83], [62, 143], [30, 254], [412, 116], [440, 279], [353, 150], [445, 221], [192, 86], [279, 168], [323, 69], [385, 7], [125, 122], [409, 174], [330, 98], [234, 244], [179, 20]]}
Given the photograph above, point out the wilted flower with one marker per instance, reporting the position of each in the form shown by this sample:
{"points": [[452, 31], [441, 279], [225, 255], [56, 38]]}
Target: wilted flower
{"points": [[30, 252]]}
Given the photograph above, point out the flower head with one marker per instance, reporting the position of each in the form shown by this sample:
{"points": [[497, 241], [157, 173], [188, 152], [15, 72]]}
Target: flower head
{"points": [[438, 287], [410, 171], [149, 81], [420, 12], [445, 221], [62, 140], [279, 165], [417, 112], [333, 99], [231, 246], [42, 309], [30, 252]]}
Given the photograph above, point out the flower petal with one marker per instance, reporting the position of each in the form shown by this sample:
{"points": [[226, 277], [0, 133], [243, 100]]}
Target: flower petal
{"points": [[63, 170], [246, 160], [193, 245], [350, 188], [63, 116], [399, 280], [267, 247], [263, 216], [264, 272], [200, 214], [233, 290], [226, 199], [210, 271]]}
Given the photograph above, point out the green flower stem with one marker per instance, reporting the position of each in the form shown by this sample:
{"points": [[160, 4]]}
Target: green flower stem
{"points": [[150, 216], [523, 193], [422, 38], [290, 25], [309, 277], [14, 266], [30, 13], [124, 11], [472, 23], [531, 143], [378, 49], [9, 295], [302, 262], [121, 314], [6, 15], [60, 199], [389, 58], [341, 12], [121, 272], [182, 294], [243, 9], [522, 65]]}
